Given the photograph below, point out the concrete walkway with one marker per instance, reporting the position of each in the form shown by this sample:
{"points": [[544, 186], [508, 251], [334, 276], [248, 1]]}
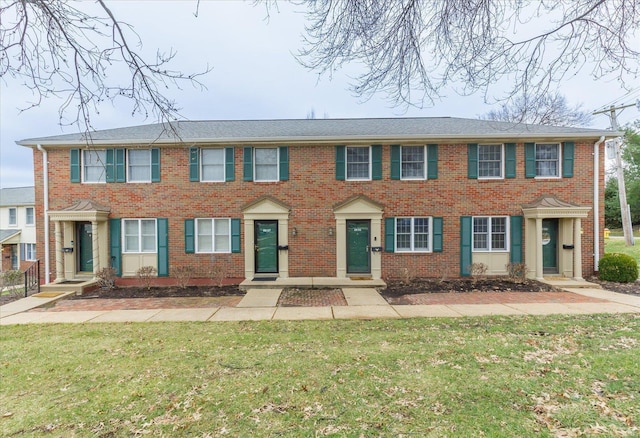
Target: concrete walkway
{"points": [[363, 303]]}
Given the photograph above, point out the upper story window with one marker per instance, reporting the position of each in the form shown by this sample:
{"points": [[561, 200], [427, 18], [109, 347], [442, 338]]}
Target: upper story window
{"points": [[413, 162], [13, 216], [94, 166], [547, 160], [490, 233], [358, 162], [490, 160], [265, 164], [139, 235], [29, 216], [139, 165], [412, 234], [212, 164], [213, 235]]}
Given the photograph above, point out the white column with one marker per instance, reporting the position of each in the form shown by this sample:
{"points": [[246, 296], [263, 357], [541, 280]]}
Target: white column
{"points": [[96, 248], [539, 265], [59, 254], [577, 249]]}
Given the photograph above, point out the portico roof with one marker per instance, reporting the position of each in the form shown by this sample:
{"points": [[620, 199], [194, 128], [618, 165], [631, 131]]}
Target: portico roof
{"points": [[548, 206]]}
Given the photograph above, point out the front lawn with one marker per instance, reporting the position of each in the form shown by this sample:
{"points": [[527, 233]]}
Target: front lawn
{"points": [[618, 245], [494, 376]]}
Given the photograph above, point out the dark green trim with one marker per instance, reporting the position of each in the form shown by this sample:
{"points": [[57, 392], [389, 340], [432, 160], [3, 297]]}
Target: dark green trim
{"points": [[390, 234], [466, 245], [567, 159], [120, 167], [109, 167], [376, 161], [189, 236], [155, 165], [530, 160], [283, 152], [510, 160], [247, 163], [437, 234], [432, 161], [163, 246], [472, 160], [229, 164], [115, 242], [516, 239], [194, 164], [74, 158], [395, 161], [340, 162], [235, 235]]}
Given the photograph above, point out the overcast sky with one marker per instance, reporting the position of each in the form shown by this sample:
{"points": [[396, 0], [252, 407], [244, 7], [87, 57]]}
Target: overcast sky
{"points": [[254, 76]]}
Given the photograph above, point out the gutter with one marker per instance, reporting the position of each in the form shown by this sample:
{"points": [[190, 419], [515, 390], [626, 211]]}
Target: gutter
{"points": [[45, 174], [596, 203]]}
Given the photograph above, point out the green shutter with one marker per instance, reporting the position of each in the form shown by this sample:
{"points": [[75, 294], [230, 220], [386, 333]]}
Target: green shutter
{"points": [[567, 159], [75, 165], [230, 164], [235, 235], [120, 168], [247, 163], [155, 165], [530, 160], [189, 236], [163, 247], [376, 161], [114, 245], [516, 239], [194, 164], [510, 160], [23, 251], [472, 160], [340, 166], [110, 166], [395, 161], [390, 234], [437, 234], [466, 234], [432, 161], [284, 163]]}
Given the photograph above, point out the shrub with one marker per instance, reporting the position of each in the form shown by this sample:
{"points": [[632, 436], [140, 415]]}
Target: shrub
{"points": [[11, 280], [517, 272], [145, 274], [183, 275], [106, 278], [621, 268], [478, 270]]}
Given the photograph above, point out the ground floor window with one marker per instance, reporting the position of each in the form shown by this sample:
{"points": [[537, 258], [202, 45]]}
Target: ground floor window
{"points": [[30, 251], [490, 233], [139, 235], [412, 234], [213, 235]]}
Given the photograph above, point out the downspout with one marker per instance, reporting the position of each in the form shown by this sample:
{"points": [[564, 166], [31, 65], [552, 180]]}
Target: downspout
{"points": [[45, 175], [596, 203]]}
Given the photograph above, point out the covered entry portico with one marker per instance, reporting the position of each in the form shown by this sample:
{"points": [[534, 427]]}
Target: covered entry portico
{"points": [[553, 238]]}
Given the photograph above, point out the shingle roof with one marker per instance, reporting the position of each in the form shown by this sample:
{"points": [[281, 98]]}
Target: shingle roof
{"points": [[14, 196], [318, 130], [7, 234]]}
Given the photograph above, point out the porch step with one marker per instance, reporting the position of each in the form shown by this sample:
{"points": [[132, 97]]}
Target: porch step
{"points": [[311, 283], [563, 282], [77, 287]]}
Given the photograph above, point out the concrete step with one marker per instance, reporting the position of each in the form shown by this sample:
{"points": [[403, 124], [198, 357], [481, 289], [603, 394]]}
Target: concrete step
{"points": [[570, 282]]}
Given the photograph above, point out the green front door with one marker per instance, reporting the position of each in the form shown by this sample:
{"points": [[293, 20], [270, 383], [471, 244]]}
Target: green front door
{"points": [[550, 246], [266, 247], [358, 255], [84, 238]]}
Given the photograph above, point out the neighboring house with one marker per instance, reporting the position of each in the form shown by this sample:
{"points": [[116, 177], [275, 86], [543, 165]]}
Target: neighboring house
{"points": [[331, 198], [17, 227]]}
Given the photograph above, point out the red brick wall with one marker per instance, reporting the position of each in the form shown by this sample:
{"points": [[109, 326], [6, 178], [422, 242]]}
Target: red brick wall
{"points": [[312, 191]]}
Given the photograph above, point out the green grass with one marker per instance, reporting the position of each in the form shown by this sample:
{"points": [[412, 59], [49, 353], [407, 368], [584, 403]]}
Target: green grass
{"points": [[495, 376], [618, 245]]}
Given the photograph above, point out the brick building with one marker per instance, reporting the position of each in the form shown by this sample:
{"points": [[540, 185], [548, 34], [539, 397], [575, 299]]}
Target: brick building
{"points": [[321, 198]]}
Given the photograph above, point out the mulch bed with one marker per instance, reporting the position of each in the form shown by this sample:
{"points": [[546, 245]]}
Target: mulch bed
{"points": [[419, 286], [623, 288]]}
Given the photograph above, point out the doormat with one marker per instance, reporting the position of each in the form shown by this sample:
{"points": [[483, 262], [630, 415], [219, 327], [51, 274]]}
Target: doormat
{"points": [[264, 278], [48, 294]]}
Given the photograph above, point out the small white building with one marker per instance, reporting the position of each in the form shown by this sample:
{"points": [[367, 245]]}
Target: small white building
{"points": [[17, 227]]}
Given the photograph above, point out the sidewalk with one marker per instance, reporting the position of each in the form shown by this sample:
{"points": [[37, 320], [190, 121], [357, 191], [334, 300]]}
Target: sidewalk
{"points": [[362, 303]]}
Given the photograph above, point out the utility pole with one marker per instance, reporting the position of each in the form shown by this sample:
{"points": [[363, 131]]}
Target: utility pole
{"points": [[625, 211]]}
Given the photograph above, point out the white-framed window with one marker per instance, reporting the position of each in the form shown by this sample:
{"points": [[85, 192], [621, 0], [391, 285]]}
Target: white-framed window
{"points": [[94, 165], [30, 251], [490, 161], [213, 235], [413, 234], [29, 216], [13, 216], [358, 162], [490, 233], [413, 162], [548, 160], [212, 164], [139, 165], [265, 164], [139, 235]]}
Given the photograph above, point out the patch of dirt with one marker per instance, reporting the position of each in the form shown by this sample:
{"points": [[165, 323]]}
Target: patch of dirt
{"points": [[163, 292], [421, 286], [623, 288]]}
